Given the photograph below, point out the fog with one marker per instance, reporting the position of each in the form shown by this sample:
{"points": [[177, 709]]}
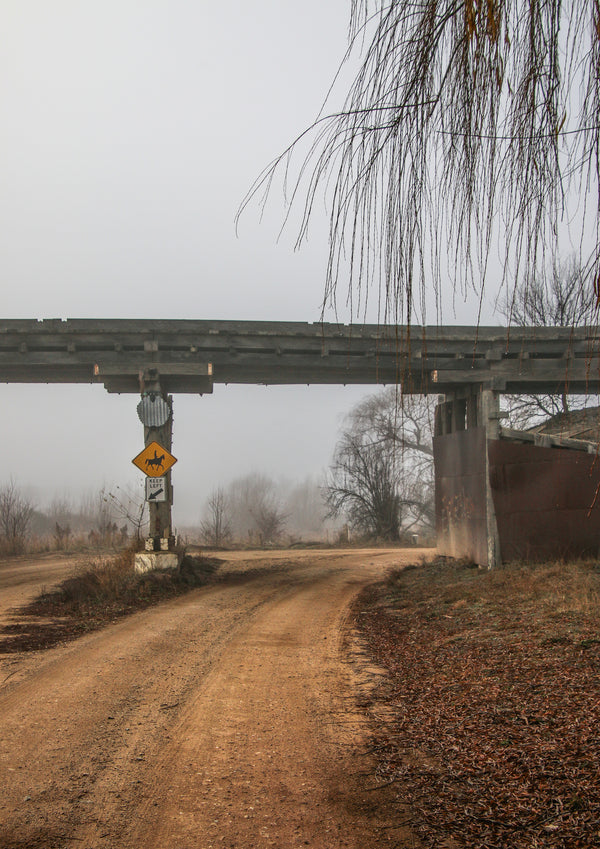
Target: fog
{"points": [[130, 134]]}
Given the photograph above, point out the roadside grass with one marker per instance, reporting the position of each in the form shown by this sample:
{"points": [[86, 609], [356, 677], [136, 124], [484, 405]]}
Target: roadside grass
{"points": [[100, 590], [493, 689]]}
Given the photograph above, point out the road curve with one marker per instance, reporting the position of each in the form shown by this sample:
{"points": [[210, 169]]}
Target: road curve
{"points": [[227, 718]]}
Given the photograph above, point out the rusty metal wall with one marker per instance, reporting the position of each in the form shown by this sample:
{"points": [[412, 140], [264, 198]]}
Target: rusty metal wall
{"points": [[460, 494], [544, 500]]}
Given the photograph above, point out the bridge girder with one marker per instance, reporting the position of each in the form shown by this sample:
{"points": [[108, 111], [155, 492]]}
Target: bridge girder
{"points": [[189, 356]]}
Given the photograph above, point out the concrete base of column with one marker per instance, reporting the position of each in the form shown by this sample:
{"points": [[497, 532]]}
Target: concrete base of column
{"points": [[151, 560]]}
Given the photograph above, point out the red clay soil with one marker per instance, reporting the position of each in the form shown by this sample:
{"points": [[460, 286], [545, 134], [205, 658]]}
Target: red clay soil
{"points": [[227, 717]]}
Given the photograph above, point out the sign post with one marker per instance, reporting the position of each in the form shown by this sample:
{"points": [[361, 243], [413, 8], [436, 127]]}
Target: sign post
{"points": [[156, 413]]}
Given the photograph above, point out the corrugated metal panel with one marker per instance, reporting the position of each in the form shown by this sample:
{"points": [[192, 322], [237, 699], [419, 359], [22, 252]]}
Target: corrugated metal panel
{"points": [[153, 410], [545, 500]]}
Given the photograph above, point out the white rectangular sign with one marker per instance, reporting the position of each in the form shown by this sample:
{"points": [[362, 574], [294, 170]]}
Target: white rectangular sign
{"points": [[156, 489]]}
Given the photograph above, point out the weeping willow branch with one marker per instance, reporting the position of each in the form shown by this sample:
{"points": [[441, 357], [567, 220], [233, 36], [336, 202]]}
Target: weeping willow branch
{"points": [[468, 124]]}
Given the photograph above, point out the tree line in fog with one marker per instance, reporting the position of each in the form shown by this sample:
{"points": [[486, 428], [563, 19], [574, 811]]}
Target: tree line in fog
{"points": [[379, 486]]}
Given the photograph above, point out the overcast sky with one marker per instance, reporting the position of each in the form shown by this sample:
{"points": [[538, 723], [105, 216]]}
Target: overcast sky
{"points": [[129, 134]]}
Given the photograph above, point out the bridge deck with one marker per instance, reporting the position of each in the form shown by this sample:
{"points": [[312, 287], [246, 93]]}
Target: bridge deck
{"points": [[191, 355]]}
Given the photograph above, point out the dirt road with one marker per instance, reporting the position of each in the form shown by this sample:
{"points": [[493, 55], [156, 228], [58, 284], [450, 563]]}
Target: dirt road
{"points": [[227, 718], [22, 578]]}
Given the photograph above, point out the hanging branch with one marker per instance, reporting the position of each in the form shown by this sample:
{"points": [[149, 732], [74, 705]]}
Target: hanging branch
{"points": [[468, 122]]}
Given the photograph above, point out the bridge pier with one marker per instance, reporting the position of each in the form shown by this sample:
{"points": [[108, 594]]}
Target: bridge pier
{"points": [[504, 494], [465, 421], [160, 537]]}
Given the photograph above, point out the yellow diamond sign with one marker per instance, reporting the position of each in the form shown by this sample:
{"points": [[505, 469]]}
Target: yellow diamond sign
{"points": [[154, 460]]}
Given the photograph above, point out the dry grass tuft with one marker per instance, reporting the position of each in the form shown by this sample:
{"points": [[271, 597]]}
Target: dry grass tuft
{"points": [[98, 580], [101, 590]]}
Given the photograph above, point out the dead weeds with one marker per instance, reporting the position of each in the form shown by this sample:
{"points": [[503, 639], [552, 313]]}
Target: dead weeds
{"points": [[495, 689], [100, 590]]}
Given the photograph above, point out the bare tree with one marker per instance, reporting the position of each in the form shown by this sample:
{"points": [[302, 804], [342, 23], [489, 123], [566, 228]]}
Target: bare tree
{"points": [[62, 535], [103, 513], [16, 512], [381, 476], [363, 486], [129, 504], [555, 299], [216, 527], [306, 509], [61, 509], [269, 520], [468, 122], [559, 298], [406, 422], [256, 509]]}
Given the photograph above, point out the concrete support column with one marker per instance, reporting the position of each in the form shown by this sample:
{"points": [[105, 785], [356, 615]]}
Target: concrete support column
{"points": [[489, 412], [466, 419], [459, 414], [472, 417], [160, 517], [450, 414], [488, 405], [161, 526], [440, 426]]}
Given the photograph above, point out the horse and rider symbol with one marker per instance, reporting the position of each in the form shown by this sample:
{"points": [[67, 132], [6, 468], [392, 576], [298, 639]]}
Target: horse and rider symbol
{"points": [[154, 460]]}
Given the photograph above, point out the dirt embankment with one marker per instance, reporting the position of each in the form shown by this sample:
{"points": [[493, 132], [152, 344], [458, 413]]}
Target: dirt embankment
{"points": [[486, 720], [226, 718]]}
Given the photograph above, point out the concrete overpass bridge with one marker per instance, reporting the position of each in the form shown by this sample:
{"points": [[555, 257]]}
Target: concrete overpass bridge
{"points": [[468, 367], [190, 356]]}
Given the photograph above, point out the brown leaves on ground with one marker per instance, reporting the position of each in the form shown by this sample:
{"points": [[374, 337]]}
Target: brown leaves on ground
{"points": [[494, 687]]}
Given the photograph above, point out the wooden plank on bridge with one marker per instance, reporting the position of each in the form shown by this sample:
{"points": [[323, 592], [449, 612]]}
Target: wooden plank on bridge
{"points": [[434, 359]]}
